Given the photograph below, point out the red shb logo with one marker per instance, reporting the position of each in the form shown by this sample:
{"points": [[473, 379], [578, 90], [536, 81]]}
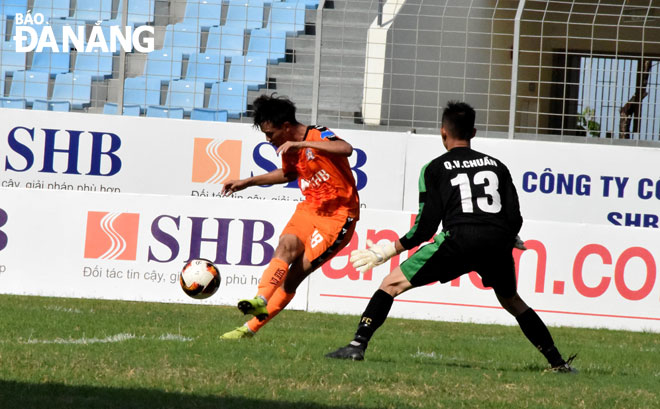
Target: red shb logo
{"points": [[111, 235]]}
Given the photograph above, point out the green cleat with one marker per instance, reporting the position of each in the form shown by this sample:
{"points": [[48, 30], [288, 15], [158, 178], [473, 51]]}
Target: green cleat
{"points": [[238, 333], [255, 306]]}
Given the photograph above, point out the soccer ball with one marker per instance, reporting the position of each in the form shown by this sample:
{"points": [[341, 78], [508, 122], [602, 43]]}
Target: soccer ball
{"points": [[199, 278]]}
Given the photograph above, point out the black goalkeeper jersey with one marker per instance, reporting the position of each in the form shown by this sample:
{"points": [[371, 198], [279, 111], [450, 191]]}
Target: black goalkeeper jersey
{"points": [[464, 187]]}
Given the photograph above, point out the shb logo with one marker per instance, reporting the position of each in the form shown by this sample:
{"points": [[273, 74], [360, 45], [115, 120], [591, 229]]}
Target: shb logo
{"points": [[216, 160], [112, 236]]}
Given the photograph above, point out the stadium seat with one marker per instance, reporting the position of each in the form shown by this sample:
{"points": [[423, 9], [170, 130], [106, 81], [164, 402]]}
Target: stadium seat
{"points": [[205, 114], [185, 94], [142, 91], [29, 85], [11, 61], [50, 62], [51, 8], [43, 105], [245, 14], [164, 112], [74, 88], [202, 13], [229, 96], [93, 10], [140, 12], [310, 4], [268, 44], [288, 17], [226, 41], [164, 64], [18, 103], [96, 64], [207, 68], [129, 110], [9, 8], [250, 71], [182, 38]]}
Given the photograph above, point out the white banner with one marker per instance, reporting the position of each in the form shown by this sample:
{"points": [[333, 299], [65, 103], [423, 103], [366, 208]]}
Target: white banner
{"points": [[564, 182], [102, 153], [131, 247]]}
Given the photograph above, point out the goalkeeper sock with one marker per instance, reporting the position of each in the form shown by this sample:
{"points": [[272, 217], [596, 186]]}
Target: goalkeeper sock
{"points": [[277, 302], [537, 333], [272, 278], [373, 317]]}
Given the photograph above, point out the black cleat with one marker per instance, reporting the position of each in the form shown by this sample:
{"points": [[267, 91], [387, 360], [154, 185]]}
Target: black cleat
{"points": [[255, 306], [351, 352], [566, 366]]}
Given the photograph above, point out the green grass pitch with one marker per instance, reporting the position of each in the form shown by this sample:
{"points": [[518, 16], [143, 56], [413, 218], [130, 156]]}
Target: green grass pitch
{"points": [[77, 353]]}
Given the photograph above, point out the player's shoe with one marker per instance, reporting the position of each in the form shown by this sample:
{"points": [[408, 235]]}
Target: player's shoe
{"points": [[238, 333], [255, 306], [566, 366], [351, 352]]}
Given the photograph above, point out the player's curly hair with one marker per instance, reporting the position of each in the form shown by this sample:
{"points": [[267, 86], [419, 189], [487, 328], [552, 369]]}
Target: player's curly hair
{"points": [[458, 119], [274, 109]]}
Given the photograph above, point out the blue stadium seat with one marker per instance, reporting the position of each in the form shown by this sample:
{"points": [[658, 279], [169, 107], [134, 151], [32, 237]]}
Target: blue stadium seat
{"points": [[74, 88], [11, 61], [164, 112], [202, 13], [140, 12], [51, 8], [288, 17], [96, 64], [205, 114], [268, 44], [185, 94], [229, 96], [93, 10], [18, 103], [182, 38], [57, 25], [207, 68], [129, 110], [164, 64], [245, 14], [50, 62], [29, 85], [310, 4], [142, 91], [43, 105], [9, 8], [224, 40], [250, 71]]}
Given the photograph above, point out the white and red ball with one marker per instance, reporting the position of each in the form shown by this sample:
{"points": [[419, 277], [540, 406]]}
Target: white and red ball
{"points": [[199, 278]]}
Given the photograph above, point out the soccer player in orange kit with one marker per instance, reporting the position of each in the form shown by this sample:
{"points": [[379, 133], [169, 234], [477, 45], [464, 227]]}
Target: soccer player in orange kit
{"points": [[321, 225]]}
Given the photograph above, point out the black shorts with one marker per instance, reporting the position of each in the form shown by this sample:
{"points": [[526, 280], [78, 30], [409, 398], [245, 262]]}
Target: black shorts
{"points": [[461, 250]]}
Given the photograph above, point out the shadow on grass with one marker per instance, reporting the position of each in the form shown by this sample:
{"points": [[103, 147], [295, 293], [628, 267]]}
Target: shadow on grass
{"points": [[15, 395]]}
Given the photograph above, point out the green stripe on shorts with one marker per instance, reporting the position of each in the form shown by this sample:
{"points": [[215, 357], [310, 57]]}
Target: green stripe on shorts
{"points": [[411, 266]]}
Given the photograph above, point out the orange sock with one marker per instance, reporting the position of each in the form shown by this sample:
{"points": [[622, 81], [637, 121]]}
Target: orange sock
{"points": [[276, 304], [272, 278]]}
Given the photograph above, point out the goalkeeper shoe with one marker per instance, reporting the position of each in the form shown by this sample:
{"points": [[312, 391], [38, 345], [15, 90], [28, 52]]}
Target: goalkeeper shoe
{"points": [[351, 352], [255, 306], [238, 333], [566, 366]]}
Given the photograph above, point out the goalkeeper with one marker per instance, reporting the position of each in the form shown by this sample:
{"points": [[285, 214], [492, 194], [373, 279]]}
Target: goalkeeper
{"points": [[472, 194]]}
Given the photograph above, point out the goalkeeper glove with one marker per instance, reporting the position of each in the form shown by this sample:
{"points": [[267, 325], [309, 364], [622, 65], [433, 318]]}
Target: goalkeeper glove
{"points": [[519, 244], [374, 255]]}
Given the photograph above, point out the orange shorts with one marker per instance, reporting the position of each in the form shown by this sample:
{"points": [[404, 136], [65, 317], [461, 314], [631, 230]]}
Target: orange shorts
{"points": [[323, 236]]}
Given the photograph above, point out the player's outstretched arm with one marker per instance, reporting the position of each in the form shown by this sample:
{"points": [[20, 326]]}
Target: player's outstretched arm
{"points": [[274, 177], [374, 255]]}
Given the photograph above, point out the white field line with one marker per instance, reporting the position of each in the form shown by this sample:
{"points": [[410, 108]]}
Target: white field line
{"points": [[107, 340]]}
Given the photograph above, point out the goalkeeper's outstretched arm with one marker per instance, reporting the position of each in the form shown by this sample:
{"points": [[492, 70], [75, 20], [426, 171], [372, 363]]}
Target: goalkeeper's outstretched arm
{"points": [[375, 254]]}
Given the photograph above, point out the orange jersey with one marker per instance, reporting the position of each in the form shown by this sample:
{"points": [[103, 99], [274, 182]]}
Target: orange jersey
{"points": [[325, 179]]}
